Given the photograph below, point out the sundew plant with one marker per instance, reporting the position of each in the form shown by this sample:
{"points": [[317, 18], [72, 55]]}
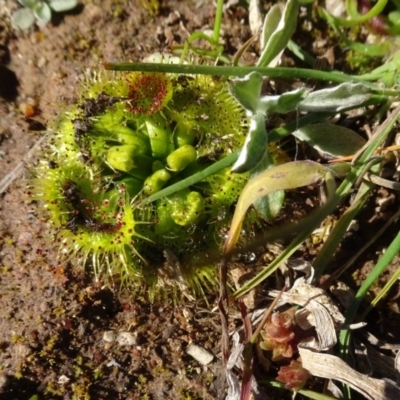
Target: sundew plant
{"points": [[129, 136], [142, 175]]}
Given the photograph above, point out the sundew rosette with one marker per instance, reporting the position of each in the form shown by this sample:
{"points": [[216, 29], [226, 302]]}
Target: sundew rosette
{"points": [[129, 136]]}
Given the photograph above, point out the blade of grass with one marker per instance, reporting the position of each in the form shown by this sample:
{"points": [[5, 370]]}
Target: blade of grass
{"points": [[385, 290], [278, 72], [335, 275], [351, 313], [218, 20], [339, 230], [361, 164], [305, 392]]}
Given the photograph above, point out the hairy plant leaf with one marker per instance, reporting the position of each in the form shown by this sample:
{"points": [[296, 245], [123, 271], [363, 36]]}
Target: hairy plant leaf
{"points": [[282, 103], [269, 206], [337, 98], [247, 91], [333, 140], [62, 5], [23, 18], [282, 177], [255, 145], [42, 12], [278, 29]]}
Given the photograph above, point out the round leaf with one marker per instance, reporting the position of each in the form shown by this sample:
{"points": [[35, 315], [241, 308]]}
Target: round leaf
{"points": [[23, 19], [62, 5], [43, 13]]}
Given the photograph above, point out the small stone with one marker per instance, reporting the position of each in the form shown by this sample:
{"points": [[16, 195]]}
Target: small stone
{"points": [[27, 109], [127, 339], [63, 379], [109, 336], [200, 354]]}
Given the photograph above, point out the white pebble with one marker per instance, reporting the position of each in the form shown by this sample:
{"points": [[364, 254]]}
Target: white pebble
{"points": [[200, 354]]}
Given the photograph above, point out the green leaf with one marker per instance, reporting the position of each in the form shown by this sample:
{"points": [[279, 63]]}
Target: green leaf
{"points": [[247, 91], [277, 31], [23, 19], [255, 145], [42, 12], [28, 3], [268, 207], [62, 5], [282, 177], [333, 140], [337, 98], [282, 103]]}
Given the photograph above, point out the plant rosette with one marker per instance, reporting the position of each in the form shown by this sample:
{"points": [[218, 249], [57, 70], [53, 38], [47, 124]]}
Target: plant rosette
{"points": [[129, 136]]}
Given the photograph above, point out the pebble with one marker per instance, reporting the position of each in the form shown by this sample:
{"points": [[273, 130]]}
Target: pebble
{"points": [[126, 339], [200, 354]]}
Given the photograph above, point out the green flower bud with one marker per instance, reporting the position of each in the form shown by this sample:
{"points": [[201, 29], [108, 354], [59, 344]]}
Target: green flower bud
{"points": [[128, 136], [160, 136], [184, 135], [121, 157], [156, 182], [165, 223], [181, 158], [127, 158], [157, 164]]}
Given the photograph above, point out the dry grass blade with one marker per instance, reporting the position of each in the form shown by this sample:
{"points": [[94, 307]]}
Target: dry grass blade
{"points": [[17, 171], [331, 367]]}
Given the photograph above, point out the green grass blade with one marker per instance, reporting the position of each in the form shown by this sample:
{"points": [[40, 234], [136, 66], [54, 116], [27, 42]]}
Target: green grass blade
{"points": [[373, 276]]}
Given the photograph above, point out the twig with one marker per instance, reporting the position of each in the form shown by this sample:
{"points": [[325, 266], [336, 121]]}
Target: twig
{"points": [[17, 171]]}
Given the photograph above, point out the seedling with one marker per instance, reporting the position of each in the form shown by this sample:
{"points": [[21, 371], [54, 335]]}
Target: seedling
{"points": [[39, 10]]}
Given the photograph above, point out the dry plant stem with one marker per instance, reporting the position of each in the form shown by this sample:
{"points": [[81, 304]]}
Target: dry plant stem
{"points": [[247, 354], [388, 122], [331, 367], [378, 151], [267, 314], [17, 171], [222, 304], [349, 263], [377, 180]]}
